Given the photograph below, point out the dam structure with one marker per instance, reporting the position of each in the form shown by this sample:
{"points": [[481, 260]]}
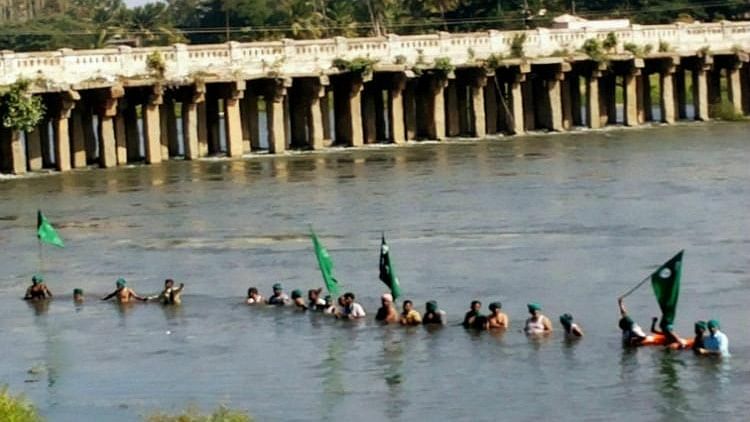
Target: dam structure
{"points": [[122, 105]]}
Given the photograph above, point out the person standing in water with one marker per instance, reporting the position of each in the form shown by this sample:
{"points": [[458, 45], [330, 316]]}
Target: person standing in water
{"points": [[38, 290], [316, 302], [352, 309], [253, 297], [78, 296], [671, 339], [124, 294], [170, 295], [537, 324], [410, 316], [298, 300], [572, 330], [497, 319], [387, 312], [698, 341], [278, 298], [470, 318], [717, 343], [433, 315]]}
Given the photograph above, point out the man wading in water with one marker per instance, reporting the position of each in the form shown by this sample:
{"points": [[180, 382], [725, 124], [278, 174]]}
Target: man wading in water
{"points": [[170, 295], [124, 294], [38, 290]]}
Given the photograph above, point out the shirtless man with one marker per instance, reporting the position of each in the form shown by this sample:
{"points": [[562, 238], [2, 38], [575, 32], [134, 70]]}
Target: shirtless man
{"points": [[387, 312], [124, 294], [38, 290], [497, 319], [170, 295]]}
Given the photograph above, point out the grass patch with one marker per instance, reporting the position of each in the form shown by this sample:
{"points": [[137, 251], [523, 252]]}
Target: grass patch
{"points": [[725, 111], [16, 408]]}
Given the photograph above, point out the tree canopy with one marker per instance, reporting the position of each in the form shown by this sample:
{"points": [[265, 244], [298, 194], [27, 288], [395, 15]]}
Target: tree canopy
{"points": [[97, 23]]}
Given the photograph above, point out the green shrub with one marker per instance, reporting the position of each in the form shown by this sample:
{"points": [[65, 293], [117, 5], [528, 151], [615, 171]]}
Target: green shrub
{"points": [[16, 408], [593, 48], [193, 414], [664, 47], [155, 64], [443, 66], [361, 65], [493, 61], [610, 42], [725, 111], [19, 109], [516, 46]]}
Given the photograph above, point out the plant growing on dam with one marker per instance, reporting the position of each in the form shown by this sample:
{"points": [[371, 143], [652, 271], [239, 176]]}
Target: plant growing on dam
{"points": [[492, 62], [400, 59], [192, 414], [593, 48], [516, 46], [638, 51], [363, 66], [443, 66], [16, 408], [610, 42], [19, 109], [155, 64], [664, 47]]}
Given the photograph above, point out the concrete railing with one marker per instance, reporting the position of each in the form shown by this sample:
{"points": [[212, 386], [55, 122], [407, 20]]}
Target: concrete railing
{"points": [[310, 57]]}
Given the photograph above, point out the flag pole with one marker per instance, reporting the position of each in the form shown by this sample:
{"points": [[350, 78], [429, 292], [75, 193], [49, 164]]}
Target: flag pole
{"points": [[629, 292]]}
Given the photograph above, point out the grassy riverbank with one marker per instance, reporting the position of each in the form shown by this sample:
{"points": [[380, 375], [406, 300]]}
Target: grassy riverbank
{"points": [[16, 408]]}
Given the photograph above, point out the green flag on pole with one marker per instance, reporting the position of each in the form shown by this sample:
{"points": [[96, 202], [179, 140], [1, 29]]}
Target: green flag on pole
{"points": [[387, 272], [326, 265], [666, 284], [45, 232]]}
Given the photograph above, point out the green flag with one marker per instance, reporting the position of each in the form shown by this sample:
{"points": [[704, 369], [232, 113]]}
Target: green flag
{"points": [[326, 265], [387, 272], [45, 232], [666, 284]]}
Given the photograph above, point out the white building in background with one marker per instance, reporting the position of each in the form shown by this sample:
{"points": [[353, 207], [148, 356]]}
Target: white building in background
{"points": [[572, 22]]}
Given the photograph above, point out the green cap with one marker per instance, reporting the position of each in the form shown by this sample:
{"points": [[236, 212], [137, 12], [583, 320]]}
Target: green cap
{"points": [[77, 291], [120, 282], [626, 323], [714, 323], [36, 278], [277, 286], [533, 307], [296, 294], [431, 306], [701, 325], [566, 319], [495, 305]]}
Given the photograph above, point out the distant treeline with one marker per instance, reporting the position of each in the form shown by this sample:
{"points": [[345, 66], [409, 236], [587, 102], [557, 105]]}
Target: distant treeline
{"points": [[33, 25]]}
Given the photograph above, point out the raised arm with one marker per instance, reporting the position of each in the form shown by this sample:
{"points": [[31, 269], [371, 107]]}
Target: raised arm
{"points": [[47, 292], [621, 305], [110, 296]]}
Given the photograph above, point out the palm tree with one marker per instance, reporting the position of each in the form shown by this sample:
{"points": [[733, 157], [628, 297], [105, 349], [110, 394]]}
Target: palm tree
{"points": [[150, 24]]}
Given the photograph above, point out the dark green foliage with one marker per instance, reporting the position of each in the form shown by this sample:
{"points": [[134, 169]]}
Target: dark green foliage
{"points": [[97, 23], [359, 65], [516, 46]]}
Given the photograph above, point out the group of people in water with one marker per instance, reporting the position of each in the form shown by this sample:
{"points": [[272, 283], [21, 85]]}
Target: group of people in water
{"points": [[708, 339]]}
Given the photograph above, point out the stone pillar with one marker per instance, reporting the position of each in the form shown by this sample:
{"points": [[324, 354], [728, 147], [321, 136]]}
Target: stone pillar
{"points": [[477, 86], [518, 126], [316, 127], [434, 101], [490, 105], [680, 93], [325, 112], [666, 85], [555, 103], [567, 102], [202, 117], [410, 109], [60, 128], [152, 126], [700, 92], [734, 86], [347, 92], [34, 149], [630, 91], [107, 109], [191, 100], [275, 117], [12, 154], [121, 133], [396, 109], [232, 119], [132, 133], [78, 149], [593, 107], [455, 106], [369, 118]]}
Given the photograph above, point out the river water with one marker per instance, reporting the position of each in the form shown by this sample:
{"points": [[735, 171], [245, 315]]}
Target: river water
{"points": [[569, 220]]}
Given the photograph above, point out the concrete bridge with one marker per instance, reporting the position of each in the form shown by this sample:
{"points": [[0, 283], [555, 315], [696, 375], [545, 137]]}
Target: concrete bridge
{"points": [[122, 105]]}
